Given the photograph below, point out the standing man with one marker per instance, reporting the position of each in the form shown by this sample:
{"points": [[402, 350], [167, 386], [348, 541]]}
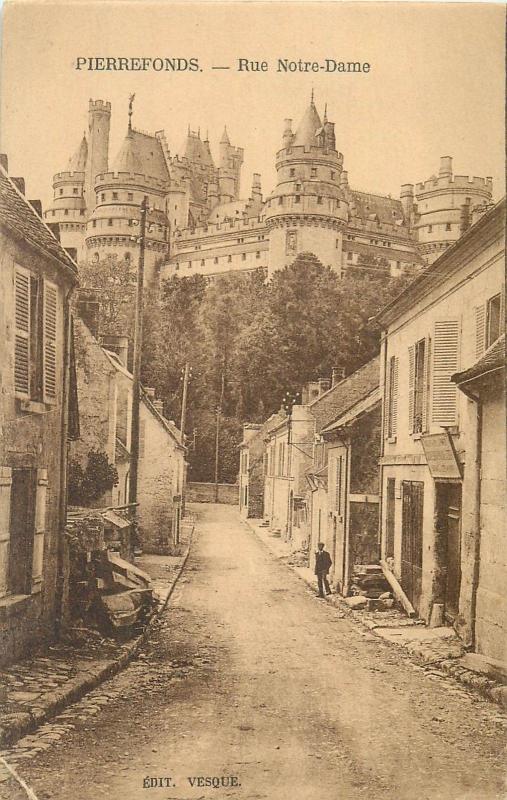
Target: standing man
{"points": [[322, 566]]}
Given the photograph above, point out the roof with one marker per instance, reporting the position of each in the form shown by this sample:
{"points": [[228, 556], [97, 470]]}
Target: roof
{"points": [[331, 405], [196, 150], [492, 360], [385, 209], [142, 153], [363, 406], [308, 127], [77, 163], [450, 260], [17, 214]]}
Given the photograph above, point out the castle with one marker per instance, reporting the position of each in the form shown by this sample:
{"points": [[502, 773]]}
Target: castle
{"points": [[198, 223]]}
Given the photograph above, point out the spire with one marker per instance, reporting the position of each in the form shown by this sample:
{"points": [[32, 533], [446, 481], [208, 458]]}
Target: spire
{"points": [[131, 103], [325, 115], [78, 161], [225, 137], [308, 128], [311, 99]]}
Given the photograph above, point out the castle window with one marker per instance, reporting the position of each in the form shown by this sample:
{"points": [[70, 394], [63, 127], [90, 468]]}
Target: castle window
{"points": [[448, 226], [66, 212], [215, 260], [243, 256], [110, 222], [81, 213], [257, 255], [176, 266], [349, 256], [115, 195], [130, 195], [75, 190], [189, 264], [332, 175], [229, 259], [102, 196], [280, 201], [297, 199], [53, 213], [202, 262], [94, 223], [430, 228], [313, 172], [61, 191], [338, 241], [319, 201], [292, 172], [298, 187]]}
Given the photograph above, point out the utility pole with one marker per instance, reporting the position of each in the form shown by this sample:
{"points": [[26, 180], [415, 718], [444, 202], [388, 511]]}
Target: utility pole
{"points": [[138, 343], [186, 376], [217, 435]]}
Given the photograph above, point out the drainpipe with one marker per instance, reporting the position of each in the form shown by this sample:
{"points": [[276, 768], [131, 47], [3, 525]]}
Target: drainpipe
{"points": [[477, 466], [64, 453], [383, 368]]}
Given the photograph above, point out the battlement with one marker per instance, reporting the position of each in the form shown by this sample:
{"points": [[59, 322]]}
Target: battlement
{"points": [[99, 105], [63, 177], [291, 153], [128, 179], [456, 182], [240, 224]]}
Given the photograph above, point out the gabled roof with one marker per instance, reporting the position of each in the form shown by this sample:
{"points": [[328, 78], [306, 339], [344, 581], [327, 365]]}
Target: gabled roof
{"points": [[492, 360], [344, 395], [17, 214]]}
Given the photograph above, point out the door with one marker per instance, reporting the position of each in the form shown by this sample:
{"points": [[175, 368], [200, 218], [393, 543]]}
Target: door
{"points": [[22, 530], [411, 540], [453, 573]]}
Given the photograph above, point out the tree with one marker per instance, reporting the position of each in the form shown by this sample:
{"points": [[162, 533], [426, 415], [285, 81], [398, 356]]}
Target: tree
{"points": [[114, 280], [86, 486]]}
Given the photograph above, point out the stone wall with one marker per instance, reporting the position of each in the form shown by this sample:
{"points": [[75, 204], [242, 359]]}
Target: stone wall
{"points": [[205, 493]]}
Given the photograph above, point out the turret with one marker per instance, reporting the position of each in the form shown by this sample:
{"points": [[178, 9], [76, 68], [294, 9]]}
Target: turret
{"points": [[308, 209], [99, 119], [229, 171], [407, 201]]}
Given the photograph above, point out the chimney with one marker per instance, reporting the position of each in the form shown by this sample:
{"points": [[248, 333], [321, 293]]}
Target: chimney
{"points": [[159, 406], [445, 170], [4, 162], [119, 345], [19, 183], [324, 385], [37, 207], [337, 375]]}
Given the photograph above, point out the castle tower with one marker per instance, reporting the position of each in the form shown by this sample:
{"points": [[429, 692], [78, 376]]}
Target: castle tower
{"points": [[308, 210], [443, 207], [229, 170], [68, 208], [140, 170], [99, 120]]}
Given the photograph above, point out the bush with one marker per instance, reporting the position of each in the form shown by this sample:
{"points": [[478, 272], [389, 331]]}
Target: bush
{"points": [[88, 485]]}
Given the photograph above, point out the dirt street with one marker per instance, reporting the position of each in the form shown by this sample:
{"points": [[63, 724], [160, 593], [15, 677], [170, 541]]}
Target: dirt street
{"points": [[249, 676]]}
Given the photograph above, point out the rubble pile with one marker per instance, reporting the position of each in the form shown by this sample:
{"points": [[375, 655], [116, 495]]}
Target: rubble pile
{"points": [[370, 589]]}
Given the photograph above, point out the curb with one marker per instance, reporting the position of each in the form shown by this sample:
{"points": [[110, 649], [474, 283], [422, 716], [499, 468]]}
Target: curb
{"points": [[487, 688], [27, 721]]}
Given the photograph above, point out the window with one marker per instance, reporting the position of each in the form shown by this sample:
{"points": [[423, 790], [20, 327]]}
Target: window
{"points": [[243, 256], [445, 364], [292, 172], [390, 509], [61, 191], [430, 228], [493, 319], [110, 222], [417, 391], [202, 262], [391, 398], [332, 175], [297, 199], [115, 195], [229, 259], [349, 256], [130, 195], [298, 187], [102, 196], [280, 201], [257, 255], [35, 337], [313, 172], [448, 226], [75, 190], [338, 484], [319, 201], [189, 264], [215, 260], [66, 212]]}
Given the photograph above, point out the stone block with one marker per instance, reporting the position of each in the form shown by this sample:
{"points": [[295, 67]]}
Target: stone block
{"points": [[357, 601]]}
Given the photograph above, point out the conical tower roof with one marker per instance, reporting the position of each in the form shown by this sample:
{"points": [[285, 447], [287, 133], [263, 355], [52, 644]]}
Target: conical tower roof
{"points": [[308, 127], [225, 137], [78, 161], [128, 158]]}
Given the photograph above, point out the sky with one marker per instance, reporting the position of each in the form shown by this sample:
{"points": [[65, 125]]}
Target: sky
{"points": [[435, 85]]}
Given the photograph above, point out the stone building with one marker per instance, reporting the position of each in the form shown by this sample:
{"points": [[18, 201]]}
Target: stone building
{"points": [[200, 224], [37, 279], [440, 325], [484, 385]]}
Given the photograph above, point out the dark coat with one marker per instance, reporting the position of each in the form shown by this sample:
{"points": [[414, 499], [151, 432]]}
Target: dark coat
{"points": [[322, 561]]}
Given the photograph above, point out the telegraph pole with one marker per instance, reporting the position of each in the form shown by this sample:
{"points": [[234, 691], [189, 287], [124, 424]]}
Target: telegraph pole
{"points": [[186, 376], [217, 435], [138, 342]]}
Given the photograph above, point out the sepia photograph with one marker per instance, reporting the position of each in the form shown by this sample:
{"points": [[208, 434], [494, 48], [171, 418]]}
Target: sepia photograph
{"points": [[253, 459]]}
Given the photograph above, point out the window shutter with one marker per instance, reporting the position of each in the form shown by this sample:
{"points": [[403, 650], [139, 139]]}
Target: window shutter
{"points": [[411, 377], [426, 384], [22, 332], [50, 312], [40, 528], [394, 397], [387, 398], [5, 513], [445, 363], [480, 330]]}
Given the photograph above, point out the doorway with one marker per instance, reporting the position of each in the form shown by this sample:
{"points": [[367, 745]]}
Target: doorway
{"points": [[448, 514], [411, 540]]}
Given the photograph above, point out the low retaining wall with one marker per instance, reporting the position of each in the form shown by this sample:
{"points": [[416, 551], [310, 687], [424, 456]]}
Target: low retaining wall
{"points": [[205, 493]]}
